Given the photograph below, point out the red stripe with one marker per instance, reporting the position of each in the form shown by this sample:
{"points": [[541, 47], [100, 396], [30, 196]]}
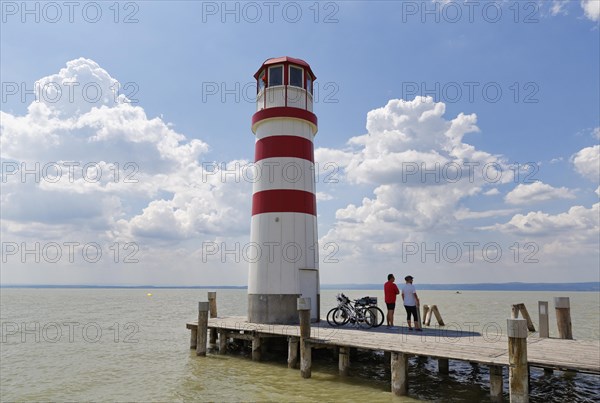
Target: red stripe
{"points": [[284, 146], [284, 112], [284, 201]]}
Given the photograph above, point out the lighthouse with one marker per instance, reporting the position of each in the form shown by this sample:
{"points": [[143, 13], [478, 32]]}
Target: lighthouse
{"points": [[284, 206]]}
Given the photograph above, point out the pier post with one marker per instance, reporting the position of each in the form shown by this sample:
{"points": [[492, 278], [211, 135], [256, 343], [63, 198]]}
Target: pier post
{"points": [[518, 378], [516, 308], [496, 382], [514, 311], [344, 361], [293, 352], [212, 303], [194, 338], [303, 306], [202, 331], [543, 314], [438, 315], [399, 364], [256, 348], [425, 311], [526, 316], [443, 365], [563, 317], [222, 341]]}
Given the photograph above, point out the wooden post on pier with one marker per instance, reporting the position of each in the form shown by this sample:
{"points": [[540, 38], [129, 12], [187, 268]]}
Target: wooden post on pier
{"points": [[437, 314], [516, 308], [518, 378], [194, 338], [222, 341], [544, 327], [443, 365], [202, 328], [496, 382], [212, 304], [425, 312], [303, 305], [293, 351], [543, 315], [429, 311], [344, 360], [256, 348], [563, 317], [399, 364]]}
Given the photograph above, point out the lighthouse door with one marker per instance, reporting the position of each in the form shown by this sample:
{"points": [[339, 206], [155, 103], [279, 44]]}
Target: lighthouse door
{"points": [[308, 289]]}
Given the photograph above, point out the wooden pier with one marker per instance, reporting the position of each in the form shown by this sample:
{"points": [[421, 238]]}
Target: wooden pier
{"points": [[513, 351]]}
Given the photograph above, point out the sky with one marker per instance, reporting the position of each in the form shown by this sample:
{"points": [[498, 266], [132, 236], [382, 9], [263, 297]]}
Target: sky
{"points": [[458, 141]]}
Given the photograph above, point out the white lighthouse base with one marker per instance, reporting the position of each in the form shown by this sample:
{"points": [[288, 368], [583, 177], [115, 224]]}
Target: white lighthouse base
{"points": [[277, 308]]}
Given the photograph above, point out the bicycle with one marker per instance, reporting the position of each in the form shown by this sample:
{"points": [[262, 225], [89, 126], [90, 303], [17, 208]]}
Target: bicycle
{"points": [[342, 299], [355, 313], [371, 304]]}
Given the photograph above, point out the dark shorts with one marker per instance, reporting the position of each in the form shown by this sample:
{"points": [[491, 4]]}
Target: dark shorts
{"points": [[411, 310], [391, 306]]}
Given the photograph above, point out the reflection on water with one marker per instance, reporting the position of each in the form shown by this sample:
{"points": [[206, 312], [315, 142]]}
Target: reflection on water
{"points": [[121, 344]]}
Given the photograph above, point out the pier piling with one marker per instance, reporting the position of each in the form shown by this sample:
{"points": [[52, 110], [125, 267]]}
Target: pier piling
{"points": [[201, 333], [543, 315], [399, 364], [222, 341], [193, 338], [212, 303], [293, 351], [496, 382], [518, 378], [303, 305], [256, 348], [443, 365], [344, 361], [563, 317]]}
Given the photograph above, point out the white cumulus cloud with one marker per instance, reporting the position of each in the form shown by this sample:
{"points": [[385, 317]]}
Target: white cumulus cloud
{"points": [[578, 222], [591, 9], [101, 170], [537, 192], [587, 162]]}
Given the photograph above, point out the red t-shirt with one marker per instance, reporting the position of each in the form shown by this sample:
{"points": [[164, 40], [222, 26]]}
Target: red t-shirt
{"points": [[390, 290]]}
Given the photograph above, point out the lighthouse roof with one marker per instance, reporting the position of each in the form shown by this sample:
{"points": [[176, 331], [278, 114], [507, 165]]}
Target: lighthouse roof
{"points": [[285, 60]]}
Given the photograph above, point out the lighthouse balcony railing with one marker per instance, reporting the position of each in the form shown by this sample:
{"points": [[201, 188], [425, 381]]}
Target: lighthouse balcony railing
{"points": [[284, 95]]}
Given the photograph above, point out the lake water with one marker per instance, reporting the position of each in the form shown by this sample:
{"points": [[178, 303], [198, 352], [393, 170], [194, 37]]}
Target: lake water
{"points": [[123, 345]]}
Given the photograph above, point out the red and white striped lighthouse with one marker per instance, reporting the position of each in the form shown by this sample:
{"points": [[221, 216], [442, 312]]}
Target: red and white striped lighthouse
{"points": [[284, 206]]}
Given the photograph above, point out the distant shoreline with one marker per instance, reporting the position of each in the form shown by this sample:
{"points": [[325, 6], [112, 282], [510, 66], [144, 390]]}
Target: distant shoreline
{"points": [[584, 286]]}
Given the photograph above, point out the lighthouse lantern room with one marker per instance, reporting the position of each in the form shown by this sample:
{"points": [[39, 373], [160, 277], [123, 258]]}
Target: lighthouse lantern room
{"points": [[284, 209]]}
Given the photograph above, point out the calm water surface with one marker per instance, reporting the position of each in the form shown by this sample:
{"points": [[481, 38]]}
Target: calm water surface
{"points": [[123, 345]]}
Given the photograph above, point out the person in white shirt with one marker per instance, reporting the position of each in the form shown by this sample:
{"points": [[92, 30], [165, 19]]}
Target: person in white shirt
{"points": [[411, 303]]}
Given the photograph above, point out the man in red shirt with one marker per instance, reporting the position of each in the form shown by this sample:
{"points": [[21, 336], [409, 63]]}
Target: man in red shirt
{"points": [[390, 290]]}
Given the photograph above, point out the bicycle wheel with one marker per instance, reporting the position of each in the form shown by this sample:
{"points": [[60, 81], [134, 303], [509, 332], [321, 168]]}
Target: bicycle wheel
{"points": [[366, 318], [340, 316], [378, 315], [330, 317]]}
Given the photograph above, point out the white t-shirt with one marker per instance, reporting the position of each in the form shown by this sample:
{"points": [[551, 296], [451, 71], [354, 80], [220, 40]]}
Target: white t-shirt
{"points": [[409, 292]]}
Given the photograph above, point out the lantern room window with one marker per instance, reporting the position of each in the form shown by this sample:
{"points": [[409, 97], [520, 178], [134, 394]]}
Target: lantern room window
{"points": [[275, 76], [296, 78], [261, 81], [309, 84]]}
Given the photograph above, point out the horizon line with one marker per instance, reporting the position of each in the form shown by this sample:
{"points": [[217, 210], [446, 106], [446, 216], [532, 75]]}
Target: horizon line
{"points": [[34, 285]]}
